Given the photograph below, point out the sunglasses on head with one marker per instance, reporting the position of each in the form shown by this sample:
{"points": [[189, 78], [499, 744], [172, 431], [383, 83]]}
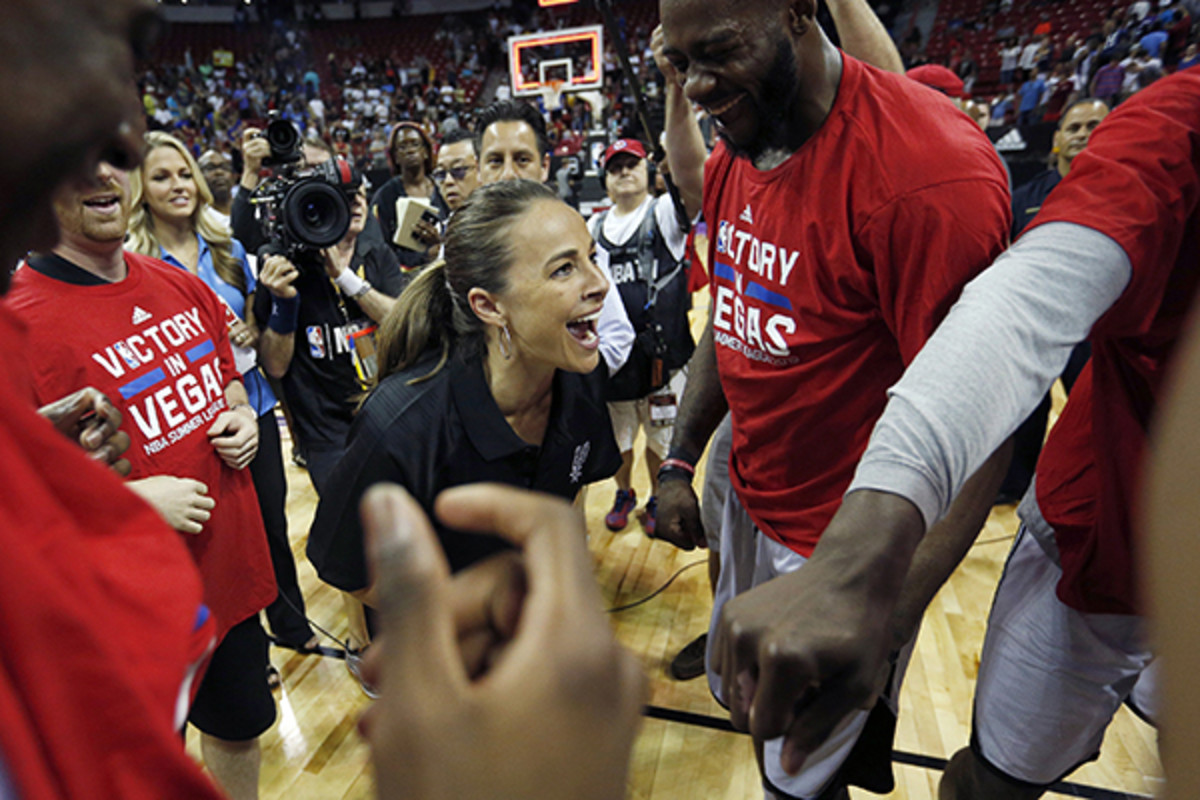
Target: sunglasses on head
{"points": [[458, 173]]}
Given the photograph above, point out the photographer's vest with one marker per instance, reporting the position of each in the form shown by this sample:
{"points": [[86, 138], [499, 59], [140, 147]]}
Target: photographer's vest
{"points": [[654, 290]]}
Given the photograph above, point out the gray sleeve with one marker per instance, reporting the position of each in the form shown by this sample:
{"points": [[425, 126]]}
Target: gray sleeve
{"points": [[990, 362]]}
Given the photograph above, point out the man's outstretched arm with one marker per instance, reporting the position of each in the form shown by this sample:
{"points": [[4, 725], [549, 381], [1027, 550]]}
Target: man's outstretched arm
{"points": [[802, 651]]}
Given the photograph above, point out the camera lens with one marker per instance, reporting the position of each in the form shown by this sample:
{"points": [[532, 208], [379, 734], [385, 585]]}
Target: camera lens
{"points": [[283, 138], [316, 213]]}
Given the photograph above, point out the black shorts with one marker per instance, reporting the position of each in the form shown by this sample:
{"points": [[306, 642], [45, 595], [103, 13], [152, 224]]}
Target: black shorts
{"points": [[234, 702]]}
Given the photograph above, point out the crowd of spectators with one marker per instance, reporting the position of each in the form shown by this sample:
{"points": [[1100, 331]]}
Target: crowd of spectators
{"points": [[351, 96], [1040, 74]]}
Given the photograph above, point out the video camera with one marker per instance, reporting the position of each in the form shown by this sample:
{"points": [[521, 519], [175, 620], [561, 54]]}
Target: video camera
{"points": [[306, 208]]}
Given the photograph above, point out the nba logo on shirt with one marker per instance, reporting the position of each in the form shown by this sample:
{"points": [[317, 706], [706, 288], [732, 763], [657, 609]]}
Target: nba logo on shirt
{"points": [[723, 237], [126, 355], [316, 341]]}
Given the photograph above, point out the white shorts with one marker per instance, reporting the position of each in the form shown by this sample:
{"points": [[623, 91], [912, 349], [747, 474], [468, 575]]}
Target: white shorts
{"points": [[748, 559], [657, 420], [1050, 677], [716, 483]]}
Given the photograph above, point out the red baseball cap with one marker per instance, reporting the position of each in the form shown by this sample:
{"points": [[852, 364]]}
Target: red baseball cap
{"points": [[935, 76], [631, 146]]}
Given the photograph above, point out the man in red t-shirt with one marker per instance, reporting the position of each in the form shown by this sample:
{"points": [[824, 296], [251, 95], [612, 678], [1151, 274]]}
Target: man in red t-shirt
{"points": [[846, 207], [1113, 256], [156, 342]]}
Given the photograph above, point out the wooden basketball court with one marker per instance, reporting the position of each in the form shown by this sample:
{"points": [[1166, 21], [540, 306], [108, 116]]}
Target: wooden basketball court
{"points": [[684, 749]]}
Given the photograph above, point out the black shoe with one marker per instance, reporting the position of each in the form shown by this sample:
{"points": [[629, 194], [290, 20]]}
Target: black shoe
{"points": [[690, 661], [1004, 498]]}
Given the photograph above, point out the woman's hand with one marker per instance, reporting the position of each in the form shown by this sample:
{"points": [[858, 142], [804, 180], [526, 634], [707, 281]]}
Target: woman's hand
{"points": [[426, 233], [243, 335]]}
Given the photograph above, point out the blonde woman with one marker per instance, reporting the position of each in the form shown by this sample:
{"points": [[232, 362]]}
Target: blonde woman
{"points": [[171, 221]]}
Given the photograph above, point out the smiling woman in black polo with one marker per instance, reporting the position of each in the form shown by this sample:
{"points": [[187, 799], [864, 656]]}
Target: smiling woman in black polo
{"points": [[490, 371]]}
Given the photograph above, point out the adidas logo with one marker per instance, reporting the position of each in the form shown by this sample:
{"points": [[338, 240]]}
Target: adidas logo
{"points": [[746, 216], [140, 315], [1011, 142]]}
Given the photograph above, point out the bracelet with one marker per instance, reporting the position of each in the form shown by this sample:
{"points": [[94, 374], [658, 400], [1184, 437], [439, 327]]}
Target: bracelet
{"points": [[246, 406], [285, 314], [351, 285]]}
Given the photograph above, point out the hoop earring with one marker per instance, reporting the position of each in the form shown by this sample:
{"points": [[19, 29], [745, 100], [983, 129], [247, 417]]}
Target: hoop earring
{"points": [[505, 343]]}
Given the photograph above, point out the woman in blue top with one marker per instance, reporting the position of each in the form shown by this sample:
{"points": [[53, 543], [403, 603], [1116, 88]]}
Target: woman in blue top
{"points": [[172, 220]]}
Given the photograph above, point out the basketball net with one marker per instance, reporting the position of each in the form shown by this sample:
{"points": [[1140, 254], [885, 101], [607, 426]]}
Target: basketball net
{"points": [[552, 94]]}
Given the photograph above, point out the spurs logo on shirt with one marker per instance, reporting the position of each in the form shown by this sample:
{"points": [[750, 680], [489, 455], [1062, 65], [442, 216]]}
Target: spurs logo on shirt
{"points": [[172, 377], [579, 460], [750, 314]]}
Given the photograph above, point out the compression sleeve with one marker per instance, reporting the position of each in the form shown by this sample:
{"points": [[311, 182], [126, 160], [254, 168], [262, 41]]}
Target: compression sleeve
{"points": [[615, 331], [990, 362]]}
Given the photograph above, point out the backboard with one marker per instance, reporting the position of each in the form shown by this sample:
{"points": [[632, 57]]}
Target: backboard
{"points": [[572, 55]]}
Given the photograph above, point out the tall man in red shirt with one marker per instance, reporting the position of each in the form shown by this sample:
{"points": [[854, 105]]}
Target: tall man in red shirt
{"points": [[1113, 256], [847, 207], [156, 342]]}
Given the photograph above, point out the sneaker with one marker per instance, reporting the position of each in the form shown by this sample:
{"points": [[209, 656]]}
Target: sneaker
{"points": [[618, 518], [690, 661], [650, 516], [354, 665]]}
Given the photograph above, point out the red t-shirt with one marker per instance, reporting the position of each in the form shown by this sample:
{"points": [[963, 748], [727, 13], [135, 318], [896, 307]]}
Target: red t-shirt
{"points": [[828, 274], [98, 618], [156, 344], [1138, 182]]}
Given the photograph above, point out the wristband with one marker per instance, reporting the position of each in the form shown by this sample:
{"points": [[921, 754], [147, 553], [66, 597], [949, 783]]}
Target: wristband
{"points": [[678, 463], [676, 469], [351, 285], [285, 314]]}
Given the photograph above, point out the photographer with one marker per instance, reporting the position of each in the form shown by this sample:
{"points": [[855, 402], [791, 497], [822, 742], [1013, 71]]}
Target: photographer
{"points": [[317, 311], [256, 152], [641, 242]]}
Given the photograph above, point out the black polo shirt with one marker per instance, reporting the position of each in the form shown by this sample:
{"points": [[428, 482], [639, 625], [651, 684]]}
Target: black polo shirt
{"points": [[448, 431]]}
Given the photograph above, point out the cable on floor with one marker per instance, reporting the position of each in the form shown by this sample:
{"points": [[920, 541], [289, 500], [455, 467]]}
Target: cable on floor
{"points": [[659, 590]]}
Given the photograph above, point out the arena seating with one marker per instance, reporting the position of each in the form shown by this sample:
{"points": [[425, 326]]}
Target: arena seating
{"points": [[955, 29]]}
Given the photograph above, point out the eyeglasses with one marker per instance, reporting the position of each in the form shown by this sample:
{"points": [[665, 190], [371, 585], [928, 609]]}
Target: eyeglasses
{"points": [[458, 173]]}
